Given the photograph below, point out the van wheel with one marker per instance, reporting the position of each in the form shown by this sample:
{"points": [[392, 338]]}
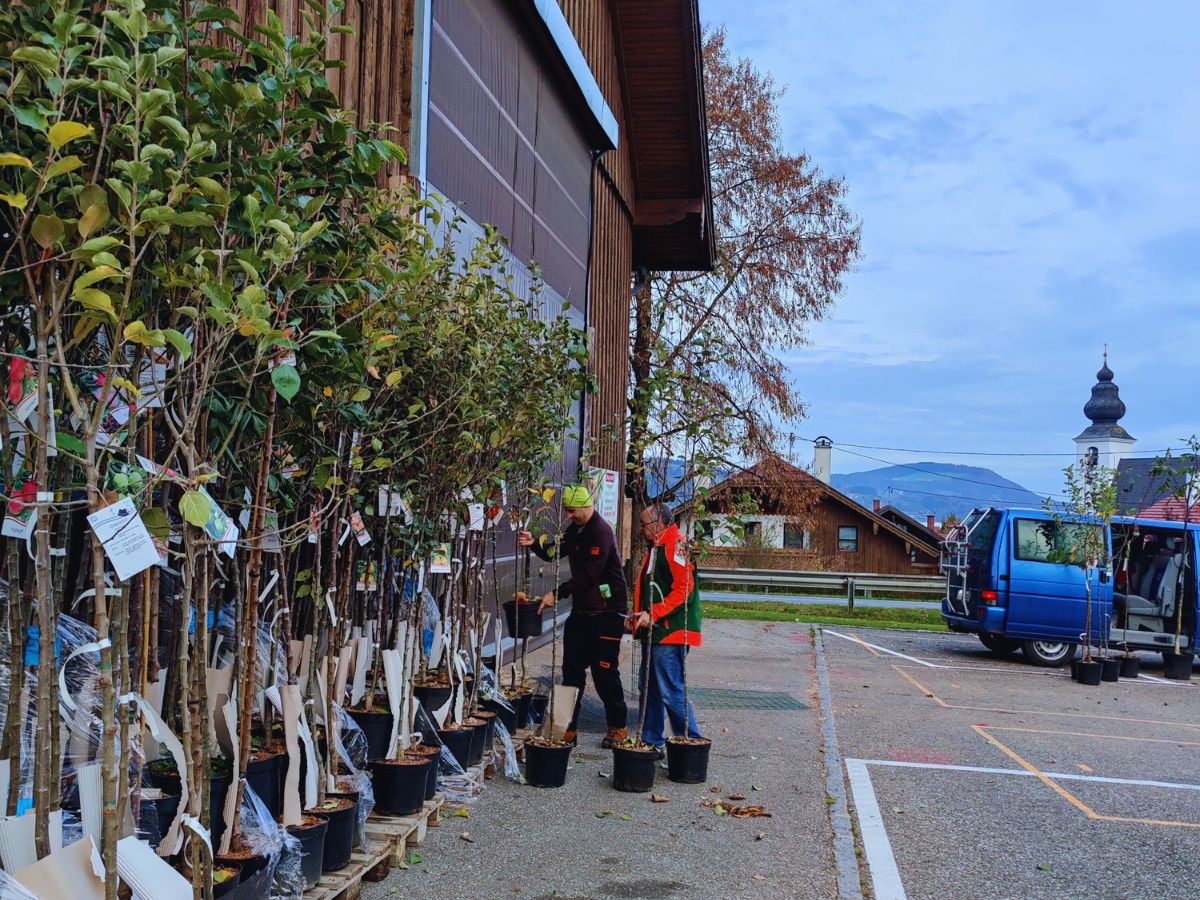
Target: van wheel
{"points": [[1001, 646], [1051, 654]]}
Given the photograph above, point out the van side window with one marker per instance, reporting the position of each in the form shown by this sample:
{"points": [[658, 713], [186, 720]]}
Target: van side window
{"points": [[1038, 540]]}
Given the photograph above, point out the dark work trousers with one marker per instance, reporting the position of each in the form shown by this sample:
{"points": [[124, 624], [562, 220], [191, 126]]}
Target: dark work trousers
{"points": [[594, 641]]}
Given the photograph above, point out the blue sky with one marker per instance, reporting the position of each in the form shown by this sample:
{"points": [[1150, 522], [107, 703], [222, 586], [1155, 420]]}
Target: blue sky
{"points": [[1028, 179]]}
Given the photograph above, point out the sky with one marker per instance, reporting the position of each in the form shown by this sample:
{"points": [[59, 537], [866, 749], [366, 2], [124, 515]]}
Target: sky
{"points": [[1027, 175]]}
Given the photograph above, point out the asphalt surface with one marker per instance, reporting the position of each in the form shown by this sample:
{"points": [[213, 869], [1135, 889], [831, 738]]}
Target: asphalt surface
{"points": [[532, 842], [968, 776], [1042, 821]]}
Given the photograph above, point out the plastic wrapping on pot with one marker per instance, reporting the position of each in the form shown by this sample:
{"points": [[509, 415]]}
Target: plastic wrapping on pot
{"points": [[352, 748], [508, 755], [431, 621], [489, 690], [266, 837], [11, 889]]}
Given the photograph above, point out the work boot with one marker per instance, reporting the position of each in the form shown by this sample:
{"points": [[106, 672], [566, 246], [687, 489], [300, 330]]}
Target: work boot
{"points": [[569, 737], [615, 736]]}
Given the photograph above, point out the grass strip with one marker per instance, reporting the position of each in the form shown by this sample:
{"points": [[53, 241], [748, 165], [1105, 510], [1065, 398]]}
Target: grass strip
{"points": [[827, 614]]}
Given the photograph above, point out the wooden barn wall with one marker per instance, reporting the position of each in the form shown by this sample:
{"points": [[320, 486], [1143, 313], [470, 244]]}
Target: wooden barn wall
{"points": [[377, 80], [612, 241]]}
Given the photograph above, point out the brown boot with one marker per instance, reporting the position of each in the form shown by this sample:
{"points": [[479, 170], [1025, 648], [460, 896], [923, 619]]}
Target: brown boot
{"points": [[615, 737], [569, 737]]}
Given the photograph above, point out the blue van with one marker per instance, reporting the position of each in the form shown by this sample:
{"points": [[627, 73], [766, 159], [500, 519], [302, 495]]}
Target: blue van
{"points": [[1004, 584]]}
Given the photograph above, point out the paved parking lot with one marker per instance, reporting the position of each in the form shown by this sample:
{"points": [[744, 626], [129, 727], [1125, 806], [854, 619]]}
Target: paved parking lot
{"points": [[947, 773], [978, 777]]}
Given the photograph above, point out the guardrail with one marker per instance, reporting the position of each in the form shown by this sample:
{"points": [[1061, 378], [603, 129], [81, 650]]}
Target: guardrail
{"points": [[850, 584]]}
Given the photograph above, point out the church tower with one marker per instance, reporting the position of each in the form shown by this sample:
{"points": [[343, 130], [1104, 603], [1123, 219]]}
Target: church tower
{"points": [[1104, 441]]}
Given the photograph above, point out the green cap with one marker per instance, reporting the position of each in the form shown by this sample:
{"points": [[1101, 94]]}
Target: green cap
{"points": [[576, 496]]}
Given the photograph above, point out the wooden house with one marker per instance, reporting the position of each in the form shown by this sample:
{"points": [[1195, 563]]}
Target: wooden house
{"points": [[776, 515]]}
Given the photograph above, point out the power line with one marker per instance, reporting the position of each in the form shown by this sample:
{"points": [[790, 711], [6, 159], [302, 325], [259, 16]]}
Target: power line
{"points": [[985, 453]]}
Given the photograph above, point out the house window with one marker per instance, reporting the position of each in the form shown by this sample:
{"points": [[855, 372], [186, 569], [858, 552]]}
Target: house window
{"points": [[848, 538], [751, 530], [796, 538]]}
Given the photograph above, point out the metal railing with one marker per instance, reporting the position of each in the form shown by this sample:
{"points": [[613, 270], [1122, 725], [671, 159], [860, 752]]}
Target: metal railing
{"points": [[847, 584]]}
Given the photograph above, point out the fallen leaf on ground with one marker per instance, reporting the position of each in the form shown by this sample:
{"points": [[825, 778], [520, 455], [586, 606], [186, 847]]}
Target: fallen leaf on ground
{"points": [[718, 810], [725, 730], [415, 858], [755, 787], [461, 813], [466, 836], [760, 836], [737, 796], [715, 789], [1045, 868], [626, 818], [897, 810], [604, 813], [760, 877], [749, 812], [659, 798], [601, 774]]}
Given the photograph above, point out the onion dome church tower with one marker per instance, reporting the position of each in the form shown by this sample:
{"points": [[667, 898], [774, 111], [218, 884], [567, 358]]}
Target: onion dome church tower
{"points": [[1104, 442]]}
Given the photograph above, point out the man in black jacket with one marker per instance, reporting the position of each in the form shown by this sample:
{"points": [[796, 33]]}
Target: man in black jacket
{"points": [[592, 637]]}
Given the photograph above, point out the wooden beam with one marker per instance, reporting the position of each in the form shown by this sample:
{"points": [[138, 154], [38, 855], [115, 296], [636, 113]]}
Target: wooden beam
{"points": [[666, 212]]}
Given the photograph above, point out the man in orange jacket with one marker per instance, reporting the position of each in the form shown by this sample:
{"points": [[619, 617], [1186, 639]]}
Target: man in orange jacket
{"points": [[666, 601]]}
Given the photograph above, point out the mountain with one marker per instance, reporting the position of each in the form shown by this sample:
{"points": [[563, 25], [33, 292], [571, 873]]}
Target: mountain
{"points": [[938, 488]]}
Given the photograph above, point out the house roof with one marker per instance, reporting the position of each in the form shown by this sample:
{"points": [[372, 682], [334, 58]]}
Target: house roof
{"points": [[1138, 487], [921, 528], [660, 47], [777, 471]]}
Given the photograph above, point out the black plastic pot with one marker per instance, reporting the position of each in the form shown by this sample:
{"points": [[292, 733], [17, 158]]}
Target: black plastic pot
{"points": [[633, 768], [505, 714], [339, 837], [1090, 671], [263, 776], [355, 798], [377, 728], [489, 717], [253, 887], [458, 741], [1075, 669], [156, 817], [1110, 669], [687, 763], [522, 705], [226, 887], [1178, 666], [1131, 667], [479, 730], [432, 696], [546, 766], [312, 848], [400, 784], [434, 755], [522, 619]]}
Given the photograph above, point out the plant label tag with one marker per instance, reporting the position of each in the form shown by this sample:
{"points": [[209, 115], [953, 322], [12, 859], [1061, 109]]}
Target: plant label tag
{"points": [[126, 541]]}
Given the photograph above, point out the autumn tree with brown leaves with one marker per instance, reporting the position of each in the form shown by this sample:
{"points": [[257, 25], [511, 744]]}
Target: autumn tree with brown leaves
{"points": [[708, 386]]}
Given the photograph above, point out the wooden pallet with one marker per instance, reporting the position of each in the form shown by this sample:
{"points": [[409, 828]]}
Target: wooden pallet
{"points": [[388, 840]]}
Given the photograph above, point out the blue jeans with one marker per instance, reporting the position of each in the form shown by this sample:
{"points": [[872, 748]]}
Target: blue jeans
{"points": [[665, 691]]}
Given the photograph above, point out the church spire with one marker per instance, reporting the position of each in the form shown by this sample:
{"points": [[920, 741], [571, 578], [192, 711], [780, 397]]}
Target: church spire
{"points": [[1104, 441]]}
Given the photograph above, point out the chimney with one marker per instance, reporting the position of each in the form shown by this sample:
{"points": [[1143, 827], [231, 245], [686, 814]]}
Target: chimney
{"points": [[822, 454], [875, 505], [929, 523]]}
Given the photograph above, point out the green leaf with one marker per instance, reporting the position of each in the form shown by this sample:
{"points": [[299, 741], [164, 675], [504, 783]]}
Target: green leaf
{"points": [[138, 333], [393, 379], [325, 333], [95, 300], [155, 520], [96, 245], [286, 380], [62, 133], [213, 189], [39, 57], [176, 128], [17, 201], [69, 443], [15, 159], [95, 216], [193, 219], [63, 166], [30, 117], [195, 508], [283, 228], [177, 340], [360, 395], [87, 279], [47, 230]]}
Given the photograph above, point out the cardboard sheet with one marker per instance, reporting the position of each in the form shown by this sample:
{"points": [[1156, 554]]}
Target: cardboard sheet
{"points": [[562, 701], [73, 873], [148, 875]]}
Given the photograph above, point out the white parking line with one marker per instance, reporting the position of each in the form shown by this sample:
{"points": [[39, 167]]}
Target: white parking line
{"points": [[885, 877], [881, 861], [846, 637]]}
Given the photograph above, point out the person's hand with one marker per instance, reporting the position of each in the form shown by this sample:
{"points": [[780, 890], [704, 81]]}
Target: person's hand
{"points": [[547, 602], [524, 539], [642, 621]]}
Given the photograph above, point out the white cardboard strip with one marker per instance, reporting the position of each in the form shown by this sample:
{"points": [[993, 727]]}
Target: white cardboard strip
{"points": [[91, 799], [147, 874], [393, 668], [17, 847]]}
